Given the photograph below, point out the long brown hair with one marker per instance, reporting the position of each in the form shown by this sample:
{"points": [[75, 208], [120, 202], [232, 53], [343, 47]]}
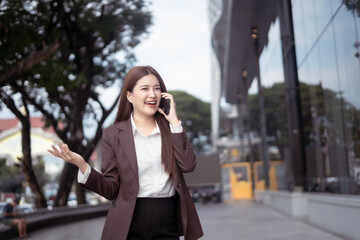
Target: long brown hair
{"points": [[125, 109]]}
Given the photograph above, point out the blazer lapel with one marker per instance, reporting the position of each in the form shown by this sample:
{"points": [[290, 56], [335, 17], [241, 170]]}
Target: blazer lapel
{"points": [[126, 139]]}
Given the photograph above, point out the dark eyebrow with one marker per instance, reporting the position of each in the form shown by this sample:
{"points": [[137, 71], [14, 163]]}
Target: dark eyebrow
{"points": [[145, 85]]}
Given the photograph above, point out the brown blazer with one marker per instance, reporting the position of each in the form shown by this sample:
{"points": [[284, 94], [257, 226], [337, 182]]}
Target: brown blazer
{"points": [[119, 182]]}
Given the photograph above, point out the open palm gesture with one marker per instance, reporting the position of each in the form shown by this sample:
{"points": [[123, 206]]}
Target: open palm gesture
{"points": [[69, 156]]}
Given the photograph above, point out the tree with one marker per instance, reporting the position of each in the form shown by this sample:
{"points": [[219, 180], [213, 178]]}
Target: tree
{"points": [[10, 177], [353, 6], [26, 159], [196, 116], [330, 117], [275, 113], [63, 86]]}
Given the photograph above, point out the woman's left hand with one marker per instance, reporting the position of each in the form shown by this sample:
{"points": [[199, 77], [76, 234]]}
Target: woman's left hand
{"points": [[172, 116]]}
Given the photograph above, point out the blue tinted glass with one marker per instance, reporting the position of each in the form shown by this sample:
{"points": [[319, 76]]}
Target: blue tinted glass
{"points": [[324, 13], [348, 63], [299, 30], [309, 23], [271, 65]]}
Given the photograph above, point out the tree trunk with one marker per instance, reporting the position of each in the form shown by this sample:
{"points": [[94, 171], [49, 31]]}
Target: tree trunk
{"points": [[40, 201], [26, 160], [66, 181], [68, 177], [80, 194]]}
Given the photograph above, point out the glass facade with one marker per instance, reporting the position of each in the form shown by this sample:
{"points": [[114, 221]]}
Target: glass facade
{"points": [[327, 42], [272, 81], [327, 47]]}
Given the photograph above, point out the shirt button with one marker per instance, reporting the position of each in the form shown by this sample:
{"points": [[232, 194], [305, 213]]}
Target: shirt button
{"points": [[179, 185]]}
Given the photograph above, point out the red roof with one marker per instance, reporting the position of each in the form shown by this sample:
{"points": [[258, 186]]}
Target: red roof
{"points": [[35, 122], [6, 124]]}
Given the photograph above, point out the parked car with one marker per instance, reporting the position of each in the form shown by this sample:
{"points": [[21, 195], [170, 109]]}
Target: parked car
{"points": [[25, 208]]}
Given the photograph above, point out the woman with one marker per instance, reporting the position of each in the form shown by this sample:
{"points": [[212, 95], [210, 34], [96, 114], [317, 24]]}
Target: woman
{"points": [[144, 156]]}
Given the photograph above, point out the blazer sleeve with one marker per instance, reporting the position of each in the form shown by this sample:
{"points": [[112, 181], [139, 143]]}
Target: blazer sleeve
{"points": [[183, 151], [106, 183]]}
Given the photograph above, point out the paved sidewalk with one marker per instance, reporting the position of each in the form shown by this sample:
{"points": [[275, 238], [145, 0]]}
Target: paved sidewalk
{"points": [[246, 220], [243, 220]]}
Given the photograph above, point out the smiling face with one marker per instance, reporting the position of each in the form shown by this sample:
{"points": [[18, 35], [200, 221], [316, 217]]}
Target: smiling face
{"points": [[145, 96]]}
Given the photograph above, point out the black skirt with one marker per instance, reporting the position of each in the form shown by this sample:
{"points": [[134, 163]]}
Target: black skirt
{"points": [[154, 219]]}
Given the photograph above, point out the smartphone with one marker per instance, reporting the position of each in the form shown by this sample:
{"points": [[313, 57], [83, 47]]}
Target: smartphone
{"points": [[165, 105]]}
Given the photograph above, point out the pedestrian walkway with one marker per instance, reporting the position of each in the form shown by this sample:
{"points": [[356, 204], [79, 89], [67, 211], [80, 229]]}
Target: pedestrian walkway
{"points": [[242, 220], [246, 220]]}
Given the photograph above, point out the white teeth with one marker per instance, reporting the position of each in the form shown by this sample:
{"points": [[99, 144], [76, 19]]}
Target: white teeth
{"points": [[152, 103]]}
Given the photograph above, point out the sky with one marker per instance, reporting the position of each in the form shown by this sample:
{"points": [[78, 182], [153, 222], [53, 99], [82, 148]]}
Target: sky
{"points": [[177, 46]]}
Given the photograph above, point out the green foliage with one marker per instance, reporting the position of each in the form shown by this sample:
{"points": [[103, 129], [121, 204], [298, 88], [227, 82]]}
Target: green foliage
{"points": [[90, 33], [91, 46], [275, 112], [39, 170], [196, 117], [353, 6], [11, 178], [335, 117]]}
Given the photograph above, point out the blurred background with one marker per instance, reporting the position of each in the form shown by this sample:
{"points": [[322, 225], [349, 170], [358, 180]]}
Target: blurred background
{"points": [[267, 90]]}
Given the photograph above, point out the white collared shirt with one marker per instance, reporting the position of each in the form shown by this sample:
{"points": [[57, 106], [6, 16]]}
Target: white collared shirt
{"points": [[153, 180]]}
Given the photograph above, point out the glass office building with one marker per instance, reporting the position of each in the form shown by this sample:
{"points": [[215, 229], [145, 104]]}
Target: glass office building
{"points": [[305, 56]]}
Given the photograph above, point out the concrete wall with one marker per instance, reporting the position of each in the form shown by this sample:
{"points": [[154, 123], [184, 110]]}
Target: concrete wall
{"points": [[291, 203], [335, 213]]}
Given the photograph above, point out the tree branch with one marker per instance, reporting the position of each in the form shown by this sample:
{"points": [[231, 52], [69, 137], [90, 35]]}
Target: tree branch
{"points": [[62, 103], [91, 146], [28, 62], [40, 107], [9, 102], [96, 99]]}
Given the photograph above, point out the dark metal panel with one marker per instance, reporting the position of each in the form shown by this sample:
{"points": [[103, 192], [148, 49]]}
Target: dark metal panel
{"points": [[207, 171], [233, 43], [237, 49], [292, 95]]}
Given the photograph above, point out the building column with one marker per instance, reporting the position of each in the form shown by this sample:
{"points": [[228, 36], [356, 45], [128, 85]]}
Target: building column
{"points": [[264, 153], [292, 96]]}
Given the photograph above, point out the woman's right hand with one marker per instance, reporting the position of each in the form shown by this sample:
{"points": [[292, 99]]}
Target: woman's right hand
{"points": [[69, 156]]}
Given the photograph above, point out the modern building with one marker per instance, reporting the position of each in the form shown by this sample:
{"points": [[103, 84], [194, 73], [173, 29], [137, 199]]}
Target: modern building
{"points": [[286, 107], [286, 81]]}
